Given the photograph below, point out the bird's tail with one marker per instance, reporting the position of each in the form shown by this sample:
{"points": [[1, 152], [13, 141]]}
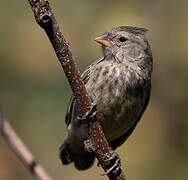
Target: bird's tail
{"points": [[82, 161]]}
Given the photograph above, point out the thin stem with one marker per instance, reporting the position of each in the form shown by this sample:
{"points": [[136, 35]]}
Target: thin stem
{"points": [[21, 151]]}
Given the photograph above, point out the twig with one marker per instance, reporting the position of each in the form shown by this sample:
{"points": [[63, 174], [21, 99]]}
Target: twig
{"points": [[18, 147], [45, 18]]}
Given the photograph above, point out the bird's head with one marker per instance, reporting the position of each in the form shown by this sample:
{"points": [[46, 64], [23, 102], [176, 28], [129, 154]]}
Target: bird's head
{"points": [[125, 43]]}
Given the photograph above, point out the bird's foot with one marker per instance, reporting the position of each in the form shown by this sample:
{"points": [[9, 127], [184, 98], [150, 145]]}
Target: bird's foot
{"points": [[89, 115], [114, 164], [92, 112], [89, 146]]}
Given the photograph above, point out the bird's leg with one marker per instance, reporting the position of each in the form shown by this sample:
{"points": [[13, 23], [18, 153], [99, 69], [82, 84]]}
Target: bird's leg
{"points": [[88, 116], [85, 119], [113, 160], [114, 164]]}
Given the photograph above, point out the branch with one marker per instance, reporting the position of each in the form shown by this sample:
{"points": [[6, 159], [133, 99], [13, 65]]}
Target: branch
{"points": [[18, 147], [45, 18]]}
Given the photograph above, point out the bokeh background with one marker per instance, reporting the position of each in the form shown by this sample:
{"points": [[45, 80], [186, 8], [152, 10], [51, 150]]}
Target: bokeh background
{"points": [[34, 91]]}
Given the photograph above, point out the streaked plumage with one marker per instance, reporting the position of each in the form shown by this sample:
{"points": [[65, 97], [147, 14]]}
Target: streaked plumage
{"points": [[120, 85]]}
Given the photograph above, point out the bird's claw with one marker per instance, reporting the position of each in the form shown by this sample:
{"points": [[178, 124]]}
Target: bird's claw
{"points": [[88, 146], [92, 112], [88, 115], [116, 164]]}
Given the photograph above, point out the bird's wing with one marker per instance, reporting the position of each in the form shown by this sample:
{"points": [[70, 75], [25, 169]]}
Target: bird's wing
{"points": [[118, 142], [85, 77]]}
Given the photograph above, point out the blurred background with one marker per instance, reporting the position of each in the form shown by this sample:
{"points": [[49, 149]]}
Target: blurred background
{"points": [[34, 92]]}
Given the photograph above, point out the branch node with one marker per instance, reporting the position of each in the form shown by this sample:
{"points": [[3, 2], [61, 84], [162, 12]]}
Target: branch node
{"points": [[44, 20], [32, 166]]}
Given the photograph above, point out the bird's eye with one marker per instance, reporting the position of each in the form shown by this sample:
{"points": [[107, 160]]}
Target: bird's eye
{"points": [[123, 39]]}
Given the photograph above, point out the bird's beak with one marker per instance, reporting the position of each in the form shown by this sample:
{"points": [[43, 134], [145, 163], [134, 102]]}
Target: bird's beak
{"points": [[103, 40]]}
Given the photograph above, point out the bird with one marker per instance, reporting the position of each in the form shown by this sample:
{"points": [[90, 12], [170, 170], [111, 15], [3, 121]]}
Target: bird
{"points": [[119, 84]]}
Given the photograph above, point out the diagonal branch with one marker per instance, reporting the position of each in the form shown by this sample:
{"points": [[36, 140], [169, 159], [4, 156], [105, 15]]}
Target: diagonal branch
{"points": [[21, 150], [97, 141]]}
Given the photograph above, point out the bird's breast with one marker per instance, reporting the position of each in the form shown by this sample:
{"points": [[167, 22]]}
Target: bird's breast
{"points": [[119, 100]]}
